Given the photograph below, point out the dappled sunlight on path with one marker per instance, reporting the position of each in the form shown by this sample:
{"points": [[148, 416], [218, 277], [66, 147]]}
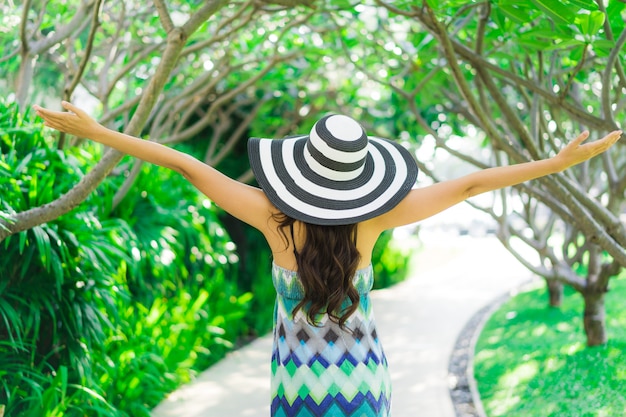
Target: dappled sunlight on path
{"points": [[418, 322], [235, 386], [420, 319]]}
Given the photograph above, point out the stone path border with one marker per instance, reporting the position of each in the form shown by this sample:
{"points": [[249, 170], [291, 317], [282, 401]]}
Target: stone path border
{"points": [[463, 390]]}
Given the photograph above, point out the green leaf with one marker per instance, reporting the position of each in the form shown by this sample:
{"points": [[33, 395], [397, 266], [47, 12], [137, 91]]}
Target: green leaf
{"points": [[32, 191], [556, 10], [590, 23], [22, 242], [23, 163], [12, 321], [534, 42], [517, 14], [584, 4], [596, 21], [500, 18], [43, 246], [571, 43], [603, 47], [25, 260]]}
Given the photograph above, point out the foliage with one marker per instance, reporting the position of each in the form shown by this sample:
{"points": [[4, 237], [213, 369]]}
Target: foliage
{"points": [[390, 259], [47, 316], [106, 311], [531, 360]]}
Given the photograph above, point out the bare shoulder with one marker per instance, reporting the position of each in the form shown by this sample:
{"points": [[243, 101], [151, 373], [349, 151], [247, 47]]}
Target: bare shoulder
{"points": [[421, 203]]}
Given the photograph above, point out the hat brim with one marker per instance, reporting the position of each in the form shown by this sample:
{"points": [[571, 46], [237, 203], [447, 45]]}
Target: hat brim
{"points": [[282, 172]]}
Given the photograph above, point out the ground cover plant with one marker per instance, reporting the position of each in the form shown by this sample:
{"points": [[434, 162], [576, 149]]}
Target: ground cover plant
{"points": [[531, 360]]}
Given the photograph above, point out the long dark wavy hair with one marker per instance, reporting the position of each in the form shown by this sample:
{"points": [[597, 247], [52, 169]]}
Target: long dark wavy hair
{"points": [[326, 266]]}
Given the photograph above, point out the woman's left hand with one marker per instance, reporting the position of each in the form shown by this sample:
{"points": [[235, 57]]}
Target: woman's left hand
{"points": [[576, 152], [75, 121]]}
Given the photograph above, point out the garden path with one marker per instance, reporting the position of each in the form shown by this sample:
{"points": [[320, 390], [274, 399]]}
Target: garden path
{"points": [[418, 321]]}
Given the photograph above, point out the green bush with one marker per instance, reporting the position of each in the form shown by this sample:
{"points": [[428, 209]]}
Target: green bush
{"points": [[102, 312], [391, 260]]}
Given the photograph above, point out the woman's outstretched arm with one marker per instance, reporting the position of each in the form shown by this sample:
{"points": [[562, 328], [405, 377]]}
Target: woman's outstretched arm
{"points": [[247, 203], [424, 202]]}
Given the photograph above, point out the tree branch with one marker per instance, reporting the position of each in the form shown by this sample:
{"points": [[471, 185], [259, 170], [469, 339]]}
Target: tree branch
{"points": [[145, 51], [608, 32], [206, 11], [214, 159], [23, 35], [570, 80], [64, 31], [217, 38], [37, 215], [510, 115], [83, 63], [606, 81], [127, 184], [88, 48], [164, 16], [7, 57], [577, 113], [448, 51], [206, 119], [129, 104]]}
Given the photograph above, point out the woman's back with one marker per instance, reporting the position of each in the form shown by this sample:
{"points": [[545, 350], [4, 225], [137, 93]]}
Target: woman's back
{"points": [[283, 252]]}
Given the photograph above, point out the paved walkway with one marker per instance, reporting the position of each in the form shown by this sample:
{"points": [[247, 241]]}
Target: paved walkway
{"points": [[418, 321]]}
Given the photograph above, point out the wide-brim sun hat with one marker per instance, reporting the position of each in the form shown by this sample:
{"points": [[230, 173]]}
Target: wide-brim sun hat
{"points": [[336, 175]]}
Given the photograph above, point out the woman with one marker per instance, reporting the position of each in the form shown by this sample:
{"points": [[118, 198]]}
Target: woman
{"points": [[324, 200]]}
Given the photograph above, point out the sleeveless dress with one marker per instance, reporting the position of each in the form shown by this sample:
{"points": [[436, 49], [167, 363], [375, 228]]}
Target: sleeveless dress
{"points": [[326, 371]]}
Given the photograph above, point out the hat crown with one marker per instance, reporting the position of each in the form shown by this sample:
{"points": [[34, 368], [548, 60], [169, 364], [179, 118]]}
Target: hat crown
{"points": [[341, 132], [337, 148]]}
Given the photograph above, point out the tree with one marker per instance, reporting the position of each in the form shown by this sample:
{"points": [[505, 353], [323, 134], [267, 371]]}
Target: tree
{"points": [[522, 79]]}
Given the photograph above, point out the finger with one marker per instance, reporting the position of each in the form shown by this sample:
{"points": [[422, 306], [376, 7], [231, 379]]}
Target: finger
{"points": [[581, 138], [69, 106], [40, 111], [53, 119], [613, 137], [605, 143], [43, 112]]}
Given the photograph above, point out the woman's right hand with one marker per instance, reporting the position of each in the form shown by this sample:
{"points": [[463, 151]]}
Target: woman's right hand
{"points": [[74, 121]]}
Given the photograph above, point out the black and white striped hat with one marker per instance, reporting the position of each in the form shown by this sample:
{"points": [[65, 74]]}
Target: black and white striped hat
{"points": [[335, 175]]}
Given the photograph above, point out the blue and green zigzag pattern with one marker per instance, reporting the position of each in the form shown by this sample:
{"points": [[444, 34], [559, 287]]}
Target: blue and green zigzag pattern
{"points": [[326, 371]]}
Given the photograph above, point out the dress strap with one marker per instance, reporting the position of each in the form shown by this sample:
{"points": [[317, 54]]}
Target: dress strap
{"points": [[293, 240]]}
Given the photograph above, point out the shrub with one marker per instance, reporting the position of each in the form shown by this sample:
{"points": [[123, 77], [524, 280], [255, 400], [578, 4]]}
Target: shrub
{"points": [[102, 312]]}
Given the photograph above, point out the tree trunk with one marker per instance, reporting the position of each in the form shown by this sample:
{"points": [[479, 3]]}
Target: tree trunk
{"points": [[24, 80], [594, 318], [555, 292]]}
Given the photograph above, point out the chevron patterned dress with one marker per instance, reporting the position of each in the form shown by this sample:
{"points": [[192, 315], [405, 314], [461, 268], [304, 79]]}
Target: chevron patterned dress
{"points": [[326, 371]]}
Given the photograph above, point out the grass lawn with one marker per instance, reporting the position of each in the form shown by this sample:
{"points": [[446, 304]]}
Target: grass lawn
{"points": [[532, 360]]}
